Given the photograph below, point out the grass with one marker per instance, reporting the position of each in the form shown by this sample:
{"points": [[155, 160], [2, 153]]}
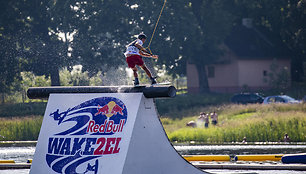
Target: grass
{"points": [[21, 121], [258, 123], [183, 105], [20, 128]]}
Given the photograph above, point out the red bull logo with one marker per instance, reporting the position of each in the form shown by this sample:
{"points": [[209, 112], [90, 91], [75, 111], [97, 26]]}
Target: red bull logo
{"points": [[98, 123], [109, 126], [110, 109], [102, 110]]}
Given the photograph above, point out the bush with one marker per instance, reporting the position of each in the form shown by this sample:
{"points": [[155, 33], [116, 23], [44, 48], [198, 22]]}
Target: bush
{"points": [[22, 109]]}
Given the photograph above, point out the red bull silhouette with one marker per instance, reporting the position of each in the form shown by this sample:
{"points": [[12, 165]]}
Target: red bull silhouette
{"points": [[109, 109], [102, 110], [117, 109]]}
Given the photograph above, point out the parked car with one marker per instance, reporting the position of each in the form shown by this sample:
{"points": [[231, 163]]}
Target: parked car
{"points": [[245, 98], [280, 99]]}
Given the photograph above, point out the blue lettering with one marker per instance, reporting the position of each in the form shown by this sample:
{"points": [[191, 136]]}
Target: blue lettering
{"points": [[89, 142], [55, 145], [66, 147], [77, 145]]}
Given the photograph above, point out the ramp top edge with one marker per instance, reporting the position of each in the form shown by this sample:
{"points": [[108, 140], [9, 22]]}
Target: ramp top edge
{"points": [[148, 91]]}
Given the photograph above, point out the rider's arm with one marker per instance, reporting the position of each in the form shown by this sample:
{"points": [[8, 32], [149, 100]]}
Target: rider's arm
{"points": [[142, 49], [145, 54], [148, 55]]}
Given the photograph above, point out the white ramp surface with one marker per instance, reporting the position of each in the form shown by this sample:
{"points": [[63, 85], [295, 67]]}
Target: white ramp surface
{"points": [[105, 133], [150, 151]]}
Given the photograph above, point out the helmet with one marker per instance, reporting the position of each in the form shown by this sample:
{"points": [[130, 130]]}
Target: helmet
{"points": [[142, 36]]}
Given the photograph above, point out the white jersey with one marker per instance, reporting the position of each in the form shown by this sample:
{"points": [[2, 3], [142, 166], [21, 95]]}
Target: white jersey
{"points": [[132, 49]]}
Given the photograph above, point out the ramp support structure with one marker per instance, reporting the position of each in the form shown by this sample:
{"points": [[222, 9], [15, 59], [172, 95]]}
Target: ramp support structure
{"points": [[105, 130]]}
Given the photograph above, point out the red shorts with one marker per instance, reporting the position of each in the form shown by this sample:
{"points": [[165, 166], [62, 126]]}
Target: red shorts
{"points": [[134, 60]]}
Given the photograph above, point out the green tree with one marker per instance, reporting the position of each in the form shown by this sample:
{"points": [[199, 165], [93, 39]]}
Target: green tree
{"points": [[27, 37], [100, 37], [284, 21], [9, 61], [46, 20], [44, 36], [215, 23], [293, 32], [189, 31]]}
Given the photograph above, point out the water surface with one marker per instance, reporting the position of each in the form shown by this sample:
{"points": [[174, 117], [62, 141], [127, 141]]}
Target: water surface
{"points": [[22, 154]]}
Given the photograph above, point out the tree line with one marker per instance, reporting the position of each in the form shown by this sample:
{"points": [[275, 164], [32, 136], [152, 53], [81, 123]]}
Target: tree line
{"points": [[43, 36]]}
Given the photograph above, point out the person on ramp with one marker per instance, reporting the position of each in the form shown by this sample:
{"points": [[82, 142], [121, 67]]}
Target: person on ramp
{"points": [[133, 54]]}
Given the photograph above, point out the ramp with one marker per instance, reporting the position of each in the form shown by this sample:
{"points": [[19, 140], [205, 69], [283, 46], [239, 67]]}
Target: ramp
{"points": [[96, 130]]}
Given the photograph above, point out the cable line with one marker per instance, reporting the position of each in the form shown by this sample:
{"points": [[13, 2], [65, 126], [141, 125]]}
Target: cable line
{"points": [[161, 11]]}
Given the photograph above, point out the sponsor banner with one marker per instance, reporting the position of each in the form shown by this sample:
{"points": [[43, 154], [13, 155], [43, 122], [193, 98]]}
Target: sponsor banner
{"points": [[85, 133]]}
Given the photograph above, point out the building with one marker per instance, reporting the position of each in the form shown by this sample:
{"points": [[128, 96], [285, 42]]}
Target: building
{"points": [[251, 62]]}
